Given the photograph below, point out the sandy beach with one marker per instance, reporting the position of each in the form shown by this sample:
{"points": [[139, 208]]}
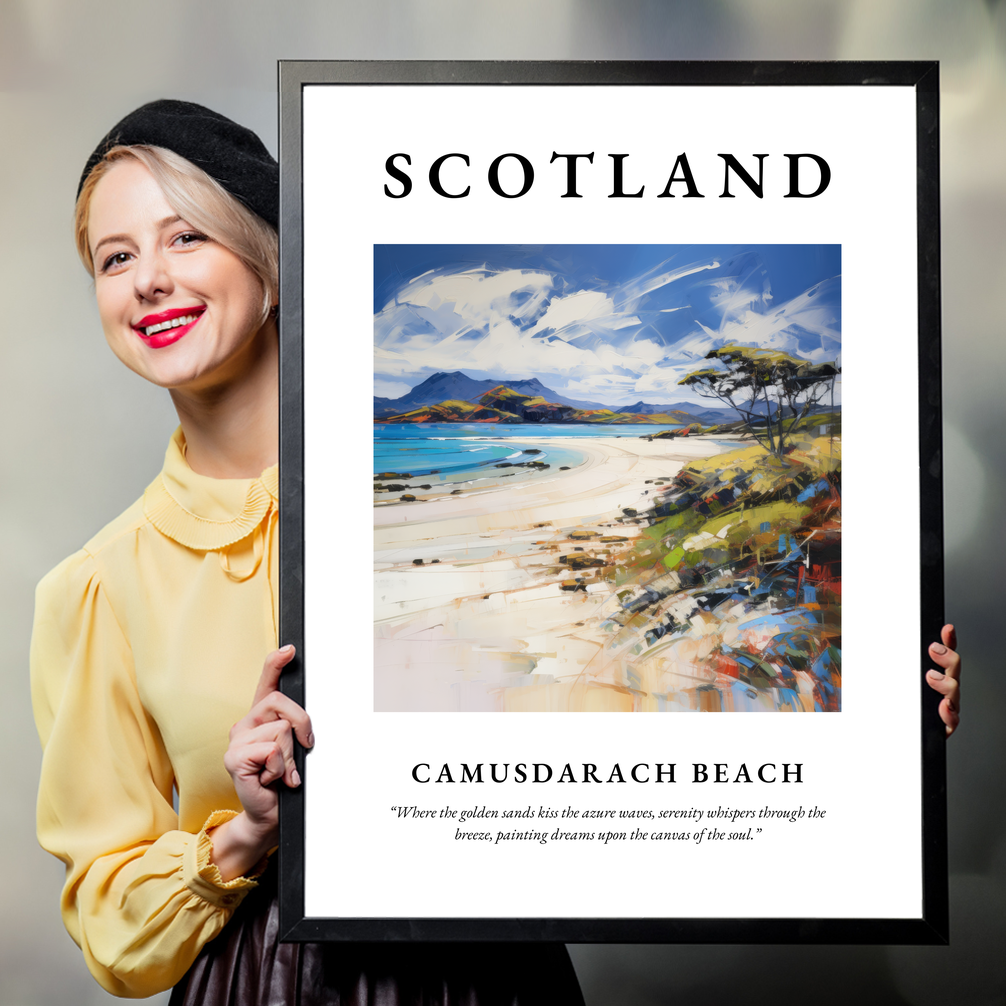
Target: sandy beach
{"points": [[475, 609]]}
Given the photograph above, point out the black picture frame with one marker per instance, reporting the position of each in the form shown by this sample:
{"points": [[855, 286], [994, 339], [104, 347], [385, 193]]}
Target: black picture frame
{"points": [[932, 925]]}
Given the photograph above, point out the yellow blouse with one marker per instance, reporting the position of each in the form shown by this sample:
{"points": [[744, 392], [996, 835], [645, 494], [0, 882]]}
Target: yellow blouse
{"points": [[147, 647]]}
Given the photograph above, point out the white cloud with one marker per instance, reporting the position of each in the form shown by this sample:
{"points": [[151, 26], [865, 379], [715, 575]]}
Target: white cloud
{"points": [[582, 306], [390, 389], [655, 279], [610, 343], [813, 313]]}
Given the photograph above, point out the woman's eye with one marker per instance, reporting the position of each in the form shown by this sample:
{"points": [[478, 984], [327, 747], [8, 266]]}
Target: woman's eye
{"points": [[114, 261], [190, 238]]}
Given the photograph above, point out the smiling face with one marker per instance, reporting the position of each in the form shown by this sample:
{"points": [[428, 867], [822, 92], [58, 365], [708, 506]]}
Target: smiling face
{"points": [[177, 307]]}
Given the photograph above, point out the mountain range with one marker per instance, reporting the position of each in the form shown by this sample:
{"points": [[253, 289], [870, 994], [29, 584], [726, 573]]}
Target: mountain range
{"points": [[458, 387]]}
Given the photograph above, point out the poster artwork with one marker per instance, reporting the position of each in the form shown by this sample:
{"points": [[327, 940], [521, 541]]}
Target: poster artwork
{"points": [[607, 477], [627, 451]]}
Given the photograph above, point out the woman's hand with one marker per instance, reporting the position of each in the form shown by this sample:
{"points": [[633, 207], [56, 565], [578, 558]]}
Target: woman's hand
{"points": [[260, 753], [948, 681]]}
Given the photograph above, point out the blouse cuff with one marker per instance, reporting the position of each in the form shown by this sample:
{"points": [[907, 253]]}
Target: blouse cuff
{"points": [[202, 876]]}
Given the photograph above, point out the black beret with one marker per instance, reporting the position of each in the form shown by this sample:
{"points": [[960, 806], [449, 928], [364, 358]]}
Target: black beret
{"points": [[231, 154]]}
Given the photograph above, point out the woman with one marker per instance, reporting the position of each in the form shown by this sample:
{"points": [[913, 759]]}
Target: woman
{"points": [[148, 643]]}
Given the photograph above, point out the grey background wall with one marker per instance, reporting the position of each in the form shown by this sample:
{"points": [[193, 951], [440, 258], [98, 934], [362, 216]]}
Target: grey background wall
{"points": [[81, 436]]}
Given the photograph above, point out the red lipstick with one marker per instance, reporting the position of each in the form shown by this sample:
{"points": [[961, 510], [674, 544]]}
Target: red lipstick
{"points": [[166, 327]]}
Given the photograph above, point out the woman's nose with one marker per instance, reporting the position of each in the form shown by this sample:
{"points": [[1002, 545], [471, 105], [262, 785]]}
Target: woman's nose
{"points": [[152, 277]]}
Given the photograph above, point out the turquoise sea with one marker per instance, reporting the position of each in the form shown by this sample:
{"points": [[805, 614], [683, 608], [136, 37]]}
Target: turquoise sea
{"points": [[452, 451]]}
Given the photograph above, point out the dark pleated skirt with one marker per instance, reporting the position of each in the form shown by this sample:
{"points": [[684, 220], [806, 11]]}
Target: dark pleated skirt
{"points": [[246, 965]]}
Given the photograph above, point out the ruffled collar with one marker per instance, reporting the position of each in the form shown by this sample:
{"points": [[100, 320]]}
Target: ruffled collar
{"points": [[203, 513]]}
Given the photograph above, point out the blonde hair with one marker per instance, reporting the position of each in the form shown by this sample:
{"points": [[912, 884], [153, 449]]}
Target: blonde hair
{"points": [[199, 200]]}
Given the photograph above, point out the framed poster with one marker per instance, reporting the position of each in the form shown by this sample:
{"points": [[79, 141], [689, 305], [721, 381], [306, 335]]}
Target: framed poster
{"points": [[641, 364]]}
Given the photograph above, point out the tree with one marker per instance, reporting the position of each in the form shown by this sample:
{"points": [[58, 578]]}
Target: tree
{"points": [[779, 389]]}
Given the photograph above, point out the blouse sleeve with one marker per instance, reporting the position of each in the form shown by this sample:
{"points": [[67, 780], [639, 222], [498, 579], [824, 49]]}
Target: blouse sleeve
{"points": [[141, 898]]}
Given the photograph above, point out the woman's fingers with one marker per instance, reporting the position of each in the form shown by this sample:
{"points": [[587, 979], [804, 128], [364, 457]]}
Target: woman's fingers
{"points": [[949, 711], [261, 749], [948, 658], [274, 766], [277, 735], [270, 703], [949, 636], [277, 706], [271, 671], [261, 761], [949, 688], [947, 680]]}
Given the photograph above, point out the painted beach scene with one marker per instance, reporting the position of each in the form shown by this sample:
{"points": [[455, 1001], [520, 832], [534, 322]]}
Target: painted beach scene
{"points": [[607, 478]]}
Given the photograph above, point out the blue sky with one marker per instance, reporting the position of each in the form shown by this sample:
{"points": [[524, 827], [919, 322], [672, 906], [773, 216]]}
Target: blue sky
{"points": [[608, 323]]}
